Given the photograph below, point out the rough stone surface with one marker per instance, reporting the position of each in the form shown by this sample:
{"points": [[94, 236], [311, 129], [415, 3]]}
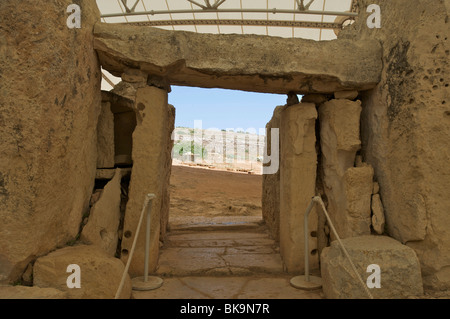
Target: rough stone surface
{"points": [[101, 229], [378, 220], [376, 188], [271, 182], [314, 98], [105, 137], [134, 76], [220, 252], [297, 183], [165, 202], [128, 89], [349, 95], [245, 62], [100, 274], [400, 275], [405, 127], [228, 287], [148, 176], [49, 105], [355, 217], [339, 140], [23, 292]]}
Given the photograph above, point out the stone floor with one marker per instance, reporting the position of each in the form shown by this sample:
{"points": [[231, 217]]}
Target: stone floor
{"points": [[222, 261]]}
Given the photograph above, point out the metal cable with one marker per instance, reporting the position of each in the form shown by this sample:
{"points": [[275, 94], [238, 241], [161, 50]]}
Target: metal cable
{"points": [[318, 199]]}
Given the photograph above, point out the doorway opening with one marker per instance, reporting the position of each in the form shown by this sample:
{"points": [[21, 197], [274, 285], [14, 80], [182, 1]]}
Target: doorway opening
{"points": [[217, 156]]}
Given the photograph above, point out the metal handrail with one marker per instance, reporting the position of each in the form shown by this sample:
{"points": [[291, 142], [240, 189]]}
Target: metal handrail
{"points": [[148, 198], [318, 199]]}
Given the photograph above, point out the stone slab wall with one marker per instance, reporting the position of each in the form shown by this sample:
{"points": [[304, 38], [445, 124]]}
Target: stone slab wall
{"points": [[297, 183], [271, 183], [49, 106], [148, 175], [405, 127]]}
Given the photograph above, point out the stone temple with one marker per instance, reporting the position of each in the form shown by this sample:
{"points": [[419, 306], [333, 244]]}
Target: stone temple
{"points": [[370, 137]]}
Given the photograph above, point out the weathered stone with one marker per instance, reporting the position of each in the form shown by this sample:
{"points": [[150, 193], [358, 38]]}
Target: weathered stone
{"points": [[27, 276], [159, 82], [378, 220], [148, 176], [339, 139], [297, 183], [100, 274], [244, 62], [134, 76], [376, 188], [105, 137], [349, 95], [23, 292], [110, 172], [271, 182], [405, 127], [400, 275], [314, 98], [101, 229], [359, 161], [165, 202], [128, 90], [49, 105], [292, 99], [353, 218], [119, 104]]}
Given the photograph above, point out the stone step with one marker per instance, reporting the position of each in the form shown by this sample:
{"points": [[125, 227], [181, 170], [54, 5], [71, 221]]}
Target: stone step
{"points": [[219, 253]]}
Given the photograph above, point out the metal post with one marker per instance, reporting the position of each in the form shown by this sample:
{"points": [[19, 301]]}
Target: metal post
{"points": [[307, 282], [147, 237], [147, 282], [308, 210]]}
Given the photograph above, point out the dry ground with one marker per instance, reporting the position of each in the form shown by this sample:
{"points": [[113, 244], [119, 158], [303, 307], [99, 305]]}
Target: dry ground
{"points": [[207, 196]]}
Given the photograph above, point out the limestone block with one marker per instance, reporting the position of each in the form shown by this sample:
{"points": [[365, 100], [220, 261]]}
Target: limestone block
{"points": [[376, 188], [297, 183], [101, 229], [127, 90], [378, 220], [355, 217], [100, 273], [50, 101], [314, 98], [134, 76], [165, 201], [406, 129], [349, 95], [339, 139], [105, 137], [244, 62], [147, 176], [24, 292], [271, 182], [400, 273]]}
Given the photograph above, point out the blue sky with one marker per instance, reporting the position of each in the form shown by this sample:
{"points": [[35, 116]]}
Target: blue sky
{"points": [[223, 109]]}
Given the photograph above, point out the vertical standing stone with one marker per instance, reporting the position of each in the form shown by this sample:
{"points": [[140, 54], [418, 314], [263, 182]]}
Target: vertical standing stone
{"points": [[103, 224], [105, 137], [271, 182], [148, 176], [167, 171], [50, 82], [297, 183], [348, 189]]}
